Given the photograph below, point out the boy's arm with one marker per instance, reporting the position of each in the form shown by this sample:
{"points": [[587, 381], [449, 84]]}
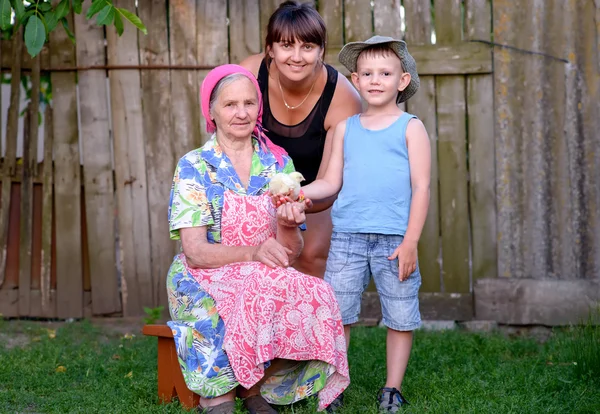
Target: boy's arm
{"points": [[419, 159], [331, 182]]}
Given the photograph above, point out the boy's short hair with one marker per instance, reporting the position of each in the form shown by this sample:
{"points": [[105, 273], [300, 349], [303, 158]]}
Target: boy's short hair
{"points": [[380, 49], [379, 45]]}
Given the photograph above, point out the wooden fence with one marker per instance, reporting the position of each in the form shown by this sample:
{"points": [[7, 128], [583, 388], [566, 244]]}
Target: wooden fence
{"points": [[87, 234]]}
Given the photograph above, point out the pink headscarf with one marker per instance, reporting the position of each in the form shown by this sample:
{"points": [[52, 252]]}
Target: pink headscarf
{"points": [[209, 83]]}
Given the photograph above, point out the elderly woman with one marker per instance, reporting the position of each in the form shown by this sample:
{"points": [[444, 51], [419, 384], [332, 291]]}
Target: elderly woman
{"points": [[241, 316]]}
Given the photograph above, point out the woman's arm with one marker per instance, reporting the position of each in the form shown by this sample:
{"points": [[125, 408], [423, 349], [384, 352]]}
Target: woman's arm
{"points": [[289, 217], [204, 255], [252, 63], [201, 254]]}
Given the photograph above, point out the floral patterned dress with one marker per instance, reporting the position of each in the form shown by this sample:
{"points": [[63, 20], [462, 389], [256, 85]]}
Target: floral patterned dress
{"points": [[229, 323]]}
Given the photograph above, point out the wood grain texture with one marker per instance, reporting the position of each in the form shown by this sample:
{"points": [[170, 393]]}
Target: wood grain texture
{"points": [[10, 150], [387, 18], [97, 169], [67, 179], [454, 198], [244, 29], [47, 306], [423, 104], [536, 302], [456, 59], [211, 32], [482, 172], [157, 116], [357, 20], [187, 132], [130, 171]]}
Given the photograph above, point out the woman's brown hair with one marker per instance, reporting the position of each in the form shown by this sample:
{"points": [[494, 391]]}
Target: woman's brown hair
{"points": [[295, 21]]}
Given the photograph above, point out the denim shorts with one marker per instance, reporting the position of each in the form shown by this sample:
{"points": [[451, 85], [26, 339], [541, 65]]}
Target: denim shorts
{"points": [[353, 258]]}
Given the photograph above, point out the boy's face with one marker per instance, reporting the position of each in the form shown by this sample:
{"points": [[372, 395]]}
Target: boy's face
{"points": [[379, 77]]}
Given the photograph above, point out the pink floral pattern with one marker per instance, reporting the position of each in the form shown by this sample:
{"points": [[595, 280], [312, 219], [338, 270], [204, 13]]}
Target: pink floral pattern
{"points": [[272, 313]]}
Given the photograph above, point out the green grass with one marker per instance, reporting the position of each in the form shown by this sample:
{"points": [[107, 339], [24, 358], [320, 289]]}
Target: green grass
{"points": [[449, 372]]}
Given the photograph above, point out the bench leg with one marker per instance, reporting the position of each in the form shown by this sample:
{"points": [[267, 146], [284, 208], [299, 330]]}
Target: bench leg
{"points": [[170, 378]]}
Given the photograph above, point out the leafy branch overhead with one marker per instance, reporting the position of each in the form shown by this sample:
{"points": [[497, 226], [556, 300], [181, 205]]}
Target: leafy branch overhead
{"points": [[40, 17]]}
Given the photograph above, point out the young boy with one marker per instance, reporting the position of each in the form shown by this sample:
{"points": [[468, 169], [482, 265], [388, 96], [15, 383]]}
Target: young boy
{"points": [[383, 158]]}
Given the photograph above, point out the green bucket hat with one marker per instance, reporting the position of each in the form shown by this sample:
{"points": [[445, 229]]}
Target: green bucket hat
{"points": [[349, 55]]}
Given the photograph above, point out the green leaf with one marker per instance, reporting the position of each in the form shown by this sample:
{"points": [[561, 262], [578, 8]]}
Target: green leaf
{"points": [[106, 16], [69, 32], [77, 6], [62, 9], [133, 19], [96, 6], [51, 21], [44, 7], [19, 9], [35, 35], [118, 24], [5, 12]]}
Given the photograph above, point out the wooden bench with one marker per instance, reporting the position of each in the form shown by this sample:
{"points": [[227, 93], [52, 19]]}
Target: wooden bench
{"points": [[170, 378]]}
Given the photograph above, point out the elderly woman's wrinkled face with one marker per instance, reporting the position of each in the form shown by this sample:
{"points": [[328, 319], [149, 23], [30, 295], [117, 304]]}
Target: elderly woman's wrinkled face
{"points": [[236, 109]]}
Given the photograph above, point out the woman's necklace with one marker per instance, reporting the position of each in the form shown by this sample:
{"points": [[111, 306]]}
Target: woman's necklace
{"points": [[303, 100]]}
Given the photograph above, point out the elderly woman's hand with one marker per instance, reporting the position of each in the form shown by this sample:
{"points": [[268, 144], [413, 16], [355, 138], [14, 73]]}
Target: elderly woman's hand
{"points": [[291, 214], [272, 253]]}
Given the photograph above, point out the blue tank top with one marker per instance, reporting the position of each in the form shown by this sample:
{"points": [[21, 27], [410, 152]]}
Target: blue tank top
{"points": [[376, 191]]}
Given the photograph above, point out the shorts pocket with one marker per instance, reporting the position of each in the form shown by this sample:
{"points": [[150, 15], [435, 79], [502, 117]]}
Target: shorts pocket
{"points": [[338, 252]]}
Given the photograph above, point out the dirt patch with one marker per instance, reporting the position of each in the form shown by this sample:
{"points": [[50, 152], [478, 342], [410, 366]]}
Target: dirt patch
{"points": [[15, 340]]}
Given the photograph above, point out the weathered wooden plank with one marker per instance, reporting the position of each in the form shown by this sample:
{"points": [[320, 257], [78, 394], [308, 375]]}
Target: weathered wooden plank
{"points": [[448, 22], [536, 302], [211, 32], [47, 212], [266, 7], [6, 60], [418, 22], [9, 299], [358, 20], [583, 117], [156, 99], [9, 303], [39, 311], [10, 153], [97, 168], [244, 29], [130, 166], [418, 34], [433, 306], [30, 135], [214, 11], [482, 174], [67, 180], [332, 13], [423, 105], [36, 237], [11, 277], [388, 21], [26, 217], [446, 306], [187, 131], [452, 158], [458, 59]]}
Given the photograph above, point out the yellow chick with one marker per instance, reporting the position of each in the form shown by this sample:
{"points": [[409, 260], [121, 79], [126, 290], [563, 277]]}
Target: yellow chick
{"points": [[283, 184]]}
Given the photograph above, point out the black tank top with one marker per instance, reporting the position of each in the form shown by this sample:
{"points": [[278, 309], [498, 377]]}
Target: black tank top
{"points": [[304, 142]]}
